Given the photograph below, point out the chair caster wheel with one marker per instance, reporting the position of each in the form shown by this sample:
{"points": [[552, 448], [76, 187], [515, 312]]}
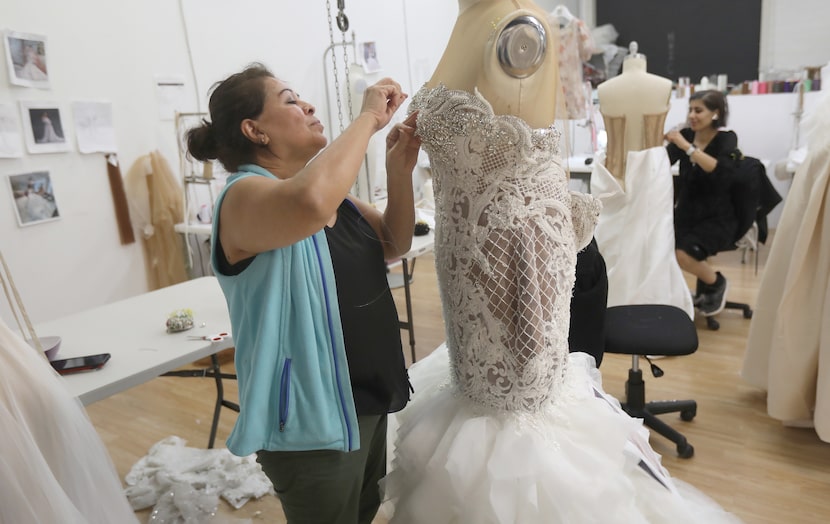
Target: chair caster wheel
{"points": [[685, 450], [712, 324], [747, 313], [687, 415]]}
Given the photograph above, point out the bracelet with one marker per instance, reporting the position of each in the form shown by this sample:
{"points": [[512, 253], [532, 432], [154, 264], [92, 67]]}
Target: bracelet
{"points": [[691, 150]]}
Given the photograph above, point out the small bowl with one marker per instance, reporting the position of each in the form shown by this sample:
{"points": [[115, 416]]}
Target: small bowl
{"points": [[50, 345]]}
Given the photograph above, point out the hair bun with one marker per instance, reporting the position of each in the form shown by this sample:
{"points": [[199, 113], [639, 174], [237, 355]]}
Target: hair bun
{"points": [[201, 142]]}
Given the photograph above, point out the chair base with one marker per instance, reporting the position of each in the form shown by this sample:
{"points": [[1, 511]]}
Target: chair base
{"points": [[714, 325], [636, 406]]}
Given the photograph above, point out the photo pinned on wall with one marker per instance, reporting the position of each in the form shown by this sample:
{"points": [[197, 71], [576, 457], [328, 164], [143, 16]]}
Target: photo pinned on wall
{"points": [[44, 128], [11, 143], [26, 59], [34, 198], [369, 57]]}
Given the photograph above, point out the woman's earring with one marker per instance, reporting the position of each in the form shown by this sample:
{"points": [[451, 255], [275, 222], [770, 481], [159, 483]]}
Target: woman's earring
{"points": [[714, 117], [262, 139]]}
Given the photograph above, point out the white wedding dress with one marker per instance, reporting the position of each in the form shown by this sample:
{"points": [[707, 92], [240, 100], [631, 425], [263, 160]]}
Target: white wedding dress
{"points": [[54, 467], [635, 233], [505, 425]]}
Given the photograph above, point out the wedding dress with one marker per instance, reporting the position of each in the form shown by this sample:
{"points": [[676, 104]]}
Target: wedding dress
{"points": [[53, 465], [635, 232], [788, 346], [505, 425], [49, 135]]}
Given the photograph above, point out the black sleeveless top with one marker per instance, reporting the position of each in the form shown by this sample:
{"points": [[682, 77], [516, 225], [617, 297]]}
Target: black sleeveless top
{"points": [[371, 328]]}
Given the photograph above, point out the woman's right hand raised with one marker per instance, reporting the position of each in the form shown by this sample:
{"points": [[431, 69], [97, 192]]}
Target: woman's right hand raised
{"points": [[381, 100]]}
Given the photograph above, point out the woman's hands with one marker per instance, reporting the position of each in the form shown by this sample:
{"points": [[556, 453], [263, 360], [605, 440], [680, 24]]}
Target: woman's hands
{"points": [[402, 147], [677, 139], [381, 100]]}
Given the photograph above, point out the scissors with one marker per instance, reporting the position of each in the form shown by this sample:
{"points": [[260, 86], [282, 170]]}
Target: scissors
{"points": [[218, 337]]}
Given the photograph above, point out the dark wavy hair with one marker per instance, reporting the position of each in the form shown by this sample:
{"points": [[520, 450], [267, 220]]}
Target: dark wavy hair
{"points": [[232, 100], [714, 101]]}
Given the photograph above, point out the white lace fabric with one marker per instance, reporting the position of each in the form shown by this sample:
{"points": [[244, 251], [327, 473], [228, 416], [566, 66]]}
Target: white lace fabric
{"points": [[506, 236]]}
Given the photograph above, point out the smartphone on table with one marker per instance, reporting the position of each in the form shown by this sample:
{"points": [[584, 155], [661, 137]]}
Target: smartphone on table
{"points": [[67, 366]]}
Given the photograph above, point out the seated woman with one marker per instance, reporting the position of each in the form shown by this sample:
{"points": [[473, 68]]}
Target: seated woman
{"points": [[704, 218]]}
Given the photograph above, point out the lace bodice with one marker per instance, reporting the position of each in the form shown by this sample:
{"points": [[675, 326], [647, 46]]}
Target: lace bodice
{"points": [[506, 236]]}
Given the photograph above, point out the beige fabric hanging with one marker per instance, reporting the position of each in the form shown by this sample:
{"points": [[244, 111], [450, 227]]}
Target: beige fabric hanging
{"points": [[156, 206]]}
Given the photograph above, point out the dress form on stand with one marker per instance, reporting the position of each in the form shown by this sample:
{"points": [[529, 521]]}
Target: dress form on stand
{"points": [[632, 178], [633, 105]]}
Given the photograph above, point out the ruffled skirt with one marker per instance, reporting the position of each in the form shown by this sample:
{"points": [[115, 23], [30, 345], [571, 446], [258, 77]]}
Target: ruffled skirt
{"points": [[580, 460]]}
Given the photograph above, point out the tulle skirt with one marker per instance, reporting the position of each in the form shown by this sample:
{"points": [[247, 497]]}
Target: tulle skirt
{"points": [[580, 460], [54, 467]]}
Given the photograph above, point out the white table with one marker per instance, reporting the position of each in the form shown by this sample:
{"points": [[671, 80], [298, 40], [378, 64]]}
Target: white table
{"points": [[133, 331]]}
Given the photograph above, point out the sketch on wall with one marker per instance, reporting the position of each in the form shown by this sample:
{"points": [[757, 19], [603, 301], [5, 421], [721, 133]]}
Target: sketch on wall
{"points": [[11, 144], [26, 59], [45, 130], [34, 198], [94, 129]]}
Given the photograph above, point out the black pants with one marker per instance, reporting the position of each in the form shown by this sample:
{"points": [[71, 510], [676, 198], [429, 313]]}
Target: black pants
{"points": [[331, 487]]}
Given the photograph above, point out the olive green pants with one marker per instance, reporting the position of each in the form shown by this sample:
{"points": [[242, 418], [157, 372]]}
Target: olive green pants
{"points": [[331, 487]]}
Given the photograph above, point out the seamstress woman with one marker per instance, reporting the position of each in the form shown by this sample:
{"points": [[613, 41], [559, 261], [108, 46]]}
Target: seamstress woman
{"points": [[704, 217], [301, 263]]}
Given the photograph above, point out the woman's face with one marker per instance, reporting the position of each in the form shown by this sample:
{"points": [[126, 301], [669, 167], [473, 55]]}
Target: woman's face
{"points": [[289, 122], [700, 116]]}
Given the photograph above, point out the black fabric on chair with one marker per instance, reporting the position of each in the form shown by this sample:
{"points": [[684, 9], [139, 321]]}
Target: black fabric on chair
{"points": [[588, 303], [753, 198], [649, 330]]}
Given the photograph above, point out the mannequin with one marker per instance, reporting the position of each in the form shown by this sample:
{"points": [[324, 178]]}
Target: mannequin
{"points": [[506, 421], [634, 106], [633, 180], [480, 23]]}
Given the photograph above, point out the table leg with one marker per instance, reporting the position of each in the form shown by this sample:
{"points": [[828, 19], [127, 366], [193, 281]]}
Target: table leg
{"points": [[214, 371], [408, 325]]}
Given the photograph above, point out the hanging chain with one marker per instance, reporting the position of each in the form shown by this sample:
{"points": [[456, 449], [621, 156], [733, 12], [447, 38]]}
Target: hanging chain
{"points": [[343, 25], [347, 68]]}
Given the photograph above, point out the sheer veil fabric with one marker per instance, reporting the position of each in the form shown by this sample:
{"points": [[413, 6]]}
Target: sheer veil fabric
{"points": [[54, 467]]}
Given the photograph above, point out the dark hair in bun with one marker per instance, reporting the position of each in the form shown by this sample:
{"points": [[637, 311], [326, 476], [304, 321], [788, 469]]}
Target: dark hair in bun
{"points": [[240, 96]]}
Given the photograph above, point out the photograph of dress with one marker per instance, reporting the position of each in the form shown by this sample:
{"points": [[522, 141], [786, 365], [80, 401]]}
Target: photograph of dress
{"points": [[26, 59], [45, 131], [34, 198]]}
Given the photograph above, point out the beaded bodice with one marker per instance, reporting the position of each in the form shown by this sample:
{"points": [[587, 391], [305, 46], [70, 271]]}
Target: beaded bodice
{"points": [[506, 237]]}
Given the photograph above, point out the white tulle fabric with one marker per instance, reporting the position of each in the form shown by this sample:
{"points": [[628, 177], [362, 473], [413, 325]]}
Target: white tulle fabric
{"points": [[183, 484], [505, 426], [54, 467]]}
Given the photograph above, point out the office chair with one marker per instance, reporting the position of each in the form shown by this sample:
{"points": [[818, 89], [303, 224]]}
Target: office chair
{"points": [[753, 198], [648, 330]]}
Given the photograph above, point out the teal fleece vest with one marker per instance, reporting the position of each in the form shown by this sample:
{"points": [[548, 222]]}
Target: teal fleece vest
{"points": [[294, 388]]}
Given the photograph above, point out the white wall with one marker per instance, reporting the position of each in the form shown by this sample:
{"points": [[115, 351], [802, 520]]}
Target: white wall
{"points": [[794, 34], [106, 50], [99, 50]]}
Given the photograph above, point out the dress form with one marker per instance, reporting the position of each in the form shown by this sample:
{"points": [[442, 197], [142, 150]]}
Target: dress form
{"points": [[471, 61], [633, 106], [633, 180]]}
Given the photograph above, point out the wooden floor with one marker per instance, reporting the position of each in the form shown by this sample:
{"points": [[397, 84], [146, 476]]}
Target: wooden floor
{"points": [[751, 464]]}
